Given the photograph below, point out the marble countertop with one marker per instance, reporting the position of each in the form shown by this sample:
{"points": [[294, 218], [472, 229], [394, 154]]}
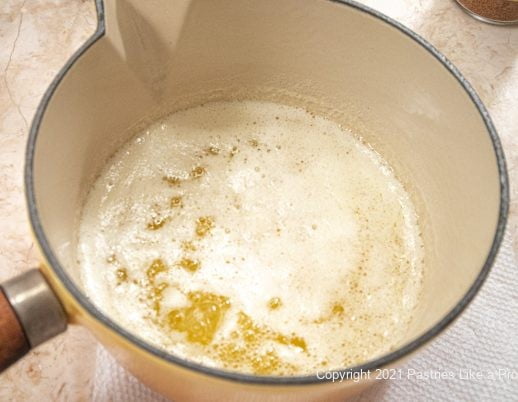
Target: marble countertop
{"points": [[36, 39]]}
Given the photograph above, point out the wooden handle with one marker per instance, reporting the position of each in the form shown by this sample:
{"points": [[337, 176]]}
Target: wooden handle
{"points": [[13, 342]]}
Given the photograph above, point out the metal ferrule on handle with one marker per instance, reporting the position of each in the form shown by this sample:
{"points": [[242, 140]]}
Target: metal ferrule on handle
{"points": [[30, 314]]}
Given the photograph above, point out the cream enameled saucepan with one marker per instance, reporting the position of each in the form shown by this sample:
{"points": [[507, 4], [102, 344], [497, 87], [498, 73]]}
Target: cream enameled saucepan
{"points": [[337, 58]]}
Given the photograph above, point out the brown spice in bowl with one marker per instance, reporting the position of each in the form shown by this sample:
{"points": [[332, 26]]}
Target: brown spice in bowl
{"points": [[505, 11]]}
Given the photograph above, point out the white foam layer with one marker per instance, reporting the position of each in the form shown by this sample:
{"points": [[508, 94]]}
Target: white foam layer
{"points": [[302, 211]]}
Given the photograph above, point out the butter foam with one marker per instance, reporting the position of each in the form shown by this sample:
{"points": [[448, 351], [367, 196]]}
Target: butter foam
{"points": [[253, 237]]}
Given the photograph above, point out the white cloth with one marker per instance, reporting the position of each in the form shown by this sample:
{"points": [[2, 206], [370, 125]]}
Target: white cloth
{"points": [[481, 342]]}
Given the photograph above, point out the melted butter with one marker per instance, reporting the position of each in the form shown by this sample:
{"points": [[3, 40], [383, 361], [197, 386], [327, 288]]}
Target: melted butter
{"points": [[189, 265], [157, 222], [294, 340], [156, 267], [247, 347], [155, 291], [338, 309], [201, 319], [155, 296], [204, 225], [266, 363], [253, 333], [188, 246]]}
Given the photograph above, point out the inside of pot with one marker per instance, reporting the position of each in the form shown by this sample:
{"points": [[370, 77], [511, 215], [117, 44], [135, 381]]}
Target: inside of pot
{"points": [[329, 58]]}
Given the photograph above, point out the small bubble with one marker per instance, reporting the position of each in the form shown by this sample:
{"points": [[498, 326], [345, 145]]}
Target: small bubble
{"points": [[188, 246], [122, 275], [111, 259], [233, 151], [176, 202], [274, 303], [197, 172], [338, 309], [172, 180], [213, 150]]}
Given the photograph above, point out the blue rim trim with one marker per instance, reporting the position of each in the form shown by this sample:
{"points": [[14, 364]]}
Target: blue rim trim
{"points": [[245, 378]]}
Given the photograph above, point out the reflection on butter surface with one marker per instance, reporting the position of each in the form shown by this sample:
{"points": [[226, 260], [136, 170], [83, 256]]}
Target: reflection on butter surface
{"points": [[254, 237]]}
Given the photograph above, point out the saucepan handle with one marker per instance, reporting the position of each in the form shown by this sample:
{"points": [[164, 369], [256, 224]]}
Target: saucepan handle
{"points": [[30, 314]]}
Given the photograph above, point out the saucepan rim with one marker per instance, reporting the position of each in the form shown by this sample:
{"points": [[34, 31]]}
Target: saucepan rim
{"points": [[247, 378]]}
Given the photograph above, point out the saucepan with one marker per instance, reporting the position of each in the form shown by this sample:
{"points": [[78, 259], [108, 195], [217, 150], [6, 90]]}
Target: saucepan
{"points": [[335, 58]]}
